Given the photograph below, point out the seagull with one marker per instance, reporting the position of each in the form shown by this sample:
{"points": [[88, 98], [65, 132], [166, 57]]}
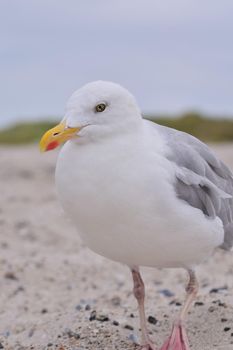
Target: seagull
{"points": [[140, 193]]}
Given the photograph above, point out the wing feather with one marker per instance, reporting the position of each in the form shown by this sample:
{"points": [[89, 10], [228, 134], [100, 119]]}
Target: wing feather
{"points": [[202, 180]]}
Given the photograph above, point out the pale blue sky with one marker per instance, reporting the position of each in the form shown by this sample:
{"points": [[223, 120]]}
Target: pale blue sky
{"points": [[174, 55]]}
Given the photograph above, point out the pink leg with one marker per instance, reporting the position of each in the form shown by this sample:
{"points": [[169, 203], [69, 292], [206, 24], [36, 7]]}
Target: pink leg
{"points": [[178, 339], [139, 293]]}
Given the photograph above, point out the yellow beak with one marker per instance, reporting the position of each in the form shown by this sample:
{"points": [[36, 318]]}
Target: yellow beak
{"points": [[56, 136]]}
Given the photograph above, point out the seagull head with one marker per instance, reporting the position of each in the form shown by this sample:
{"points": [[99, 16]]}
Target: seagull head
{"points": [[97, 109]]}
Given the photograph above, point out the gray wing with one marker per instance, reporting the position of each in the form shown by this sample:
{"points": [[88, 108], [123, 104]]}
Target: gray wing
{"points": [[203, 180]]}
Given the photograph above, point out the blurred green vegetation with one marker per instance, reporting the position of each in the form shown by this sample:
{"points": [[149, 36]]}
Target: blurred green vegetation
{"points": [[206, 129], [23, 133]]}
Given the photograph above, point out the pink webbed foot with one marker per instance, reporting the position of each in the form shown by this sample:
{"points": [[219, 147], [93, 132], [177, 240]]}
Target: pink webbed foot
{"points": [[178, 339]]}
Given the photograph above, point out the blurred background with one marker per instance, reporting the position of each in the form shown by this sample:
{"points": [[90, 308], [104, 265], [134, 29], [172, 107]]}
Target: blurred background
{"points": [[175, 56]]}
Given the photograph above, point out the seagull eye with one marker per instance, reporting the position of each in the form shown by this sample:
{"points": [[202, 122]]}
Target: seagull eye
{"points": [[100, 107]]}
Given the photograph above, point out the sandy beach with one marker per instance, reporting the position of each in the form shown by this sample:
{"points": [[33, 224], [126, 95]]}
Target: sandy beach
{"points": [[56, 294]]}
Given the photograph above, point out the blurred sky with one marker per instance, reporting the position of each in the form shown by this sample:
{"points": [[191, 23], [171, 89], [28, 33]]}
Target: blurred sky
{"points": [[174, 55]]}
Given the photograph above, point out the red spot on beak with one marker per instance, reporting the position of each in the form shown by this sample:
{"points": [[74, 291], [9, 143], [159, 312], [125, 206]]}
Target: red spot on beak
{"points": [[52, 145]]}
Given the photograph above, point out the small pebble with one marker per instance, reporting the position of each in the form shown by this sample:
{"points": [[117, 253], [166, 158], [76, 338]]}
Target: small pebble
{"points": [[219, 303], [1, 346], [50, 344], [44, 311], [152, 320], [174, 302], [92, 316], [128, 326], [166, 293], [226, 329], [102, 318], [115, 323], [219, 289], [87, 307], [11, 276], [198, 303], [223, 319], [211, 309], [222, 304]]}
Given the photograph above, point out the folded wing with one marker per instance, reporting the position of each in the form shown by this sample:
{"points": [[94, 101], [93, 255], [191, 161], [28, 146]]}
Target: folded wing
{"points": [[202, 180]]}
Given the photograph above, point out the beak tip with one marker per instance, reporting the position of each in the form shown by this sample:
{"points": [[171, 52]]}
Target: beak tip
{"points": [[48, 147], [42, 147]]}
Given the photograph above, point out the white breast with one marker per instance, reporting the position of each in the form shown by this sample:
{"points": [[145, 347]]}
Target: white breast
{"points": [[120, 195]]}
